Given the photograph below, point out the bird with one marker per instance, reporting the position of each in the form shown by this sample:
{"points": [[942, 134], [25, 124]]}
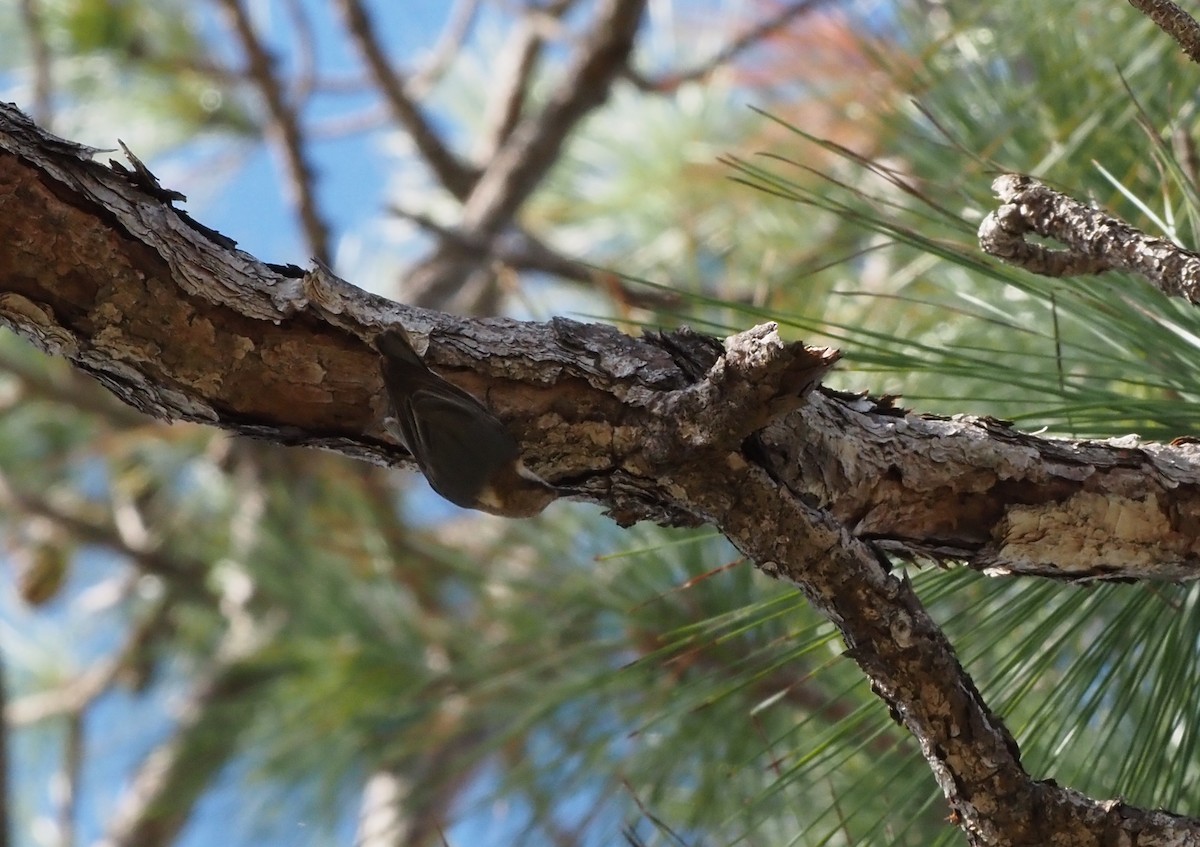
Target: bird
{"points": [[464, 450]]}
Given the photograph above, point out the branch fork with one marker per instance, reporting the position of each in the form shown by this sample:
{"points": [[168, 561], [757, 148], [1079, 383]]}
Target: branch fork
{"points": [[756, 378]]}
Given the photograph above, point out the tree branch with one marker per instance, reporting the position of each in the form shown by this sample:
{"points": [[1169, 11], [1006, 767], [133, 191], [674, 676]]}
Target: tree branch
{"points": [[1097, 241], [913, 668], [1174, 22], [43, 86], [173, 776], [977, 490], [284, 125], [180, 573], [458, 26], [222, 339], [513, 76], [676, 428], [454, 175], [752, 36], [65, 783], [381, 818], [532, 147], [75, 695]]}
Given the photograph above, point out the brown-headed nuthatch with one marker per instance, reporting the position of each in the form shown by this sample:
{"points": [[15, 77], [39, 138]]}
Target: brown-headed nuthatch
{"points": [[462, 448]]}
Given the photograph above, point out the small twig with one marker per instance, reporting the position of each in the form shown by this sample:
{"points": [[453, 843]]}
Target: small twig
{"points": [[522, 251], [519, 251], [752, 36], [455, 176], [1174, 22], [1096, 240], [170, 64], [284, 126], [1184, 145], [514, 68], [76, 694], [448, 279], [369, 119], [159, 798], [381, 809], [181, 574]]}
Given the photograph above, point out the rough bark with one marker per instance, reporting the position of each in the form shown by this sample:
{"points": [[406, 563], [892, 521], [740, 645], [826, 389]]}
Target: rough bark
{"points": [[98, 266]]}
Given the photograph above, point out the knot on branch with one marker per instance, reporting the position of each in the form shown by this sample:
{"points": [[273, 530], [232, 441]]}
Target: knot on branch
{"points": [[755, 378]]}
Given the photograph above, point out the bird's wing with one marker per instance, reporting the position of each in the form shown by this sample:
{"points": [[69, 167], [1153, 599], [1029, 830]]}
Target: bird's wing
{"points": [[469, 442]]}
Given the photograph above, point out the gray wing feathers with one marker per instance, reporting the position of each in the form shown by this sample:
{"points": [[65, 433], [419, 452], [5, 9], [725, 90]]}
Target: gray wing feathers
{"points": [[456, 440]]}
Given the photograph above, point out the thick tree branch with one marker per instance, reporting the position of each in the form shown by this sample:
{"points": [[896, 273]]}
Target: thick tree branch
{"points": [[184, 327], [677, 428], [913, 667], [977, 490]]}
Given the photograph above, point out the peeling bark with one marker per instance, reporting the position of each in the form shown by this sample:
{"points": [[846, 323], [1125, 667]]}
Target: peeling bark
{"points": [[979, 491]]}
